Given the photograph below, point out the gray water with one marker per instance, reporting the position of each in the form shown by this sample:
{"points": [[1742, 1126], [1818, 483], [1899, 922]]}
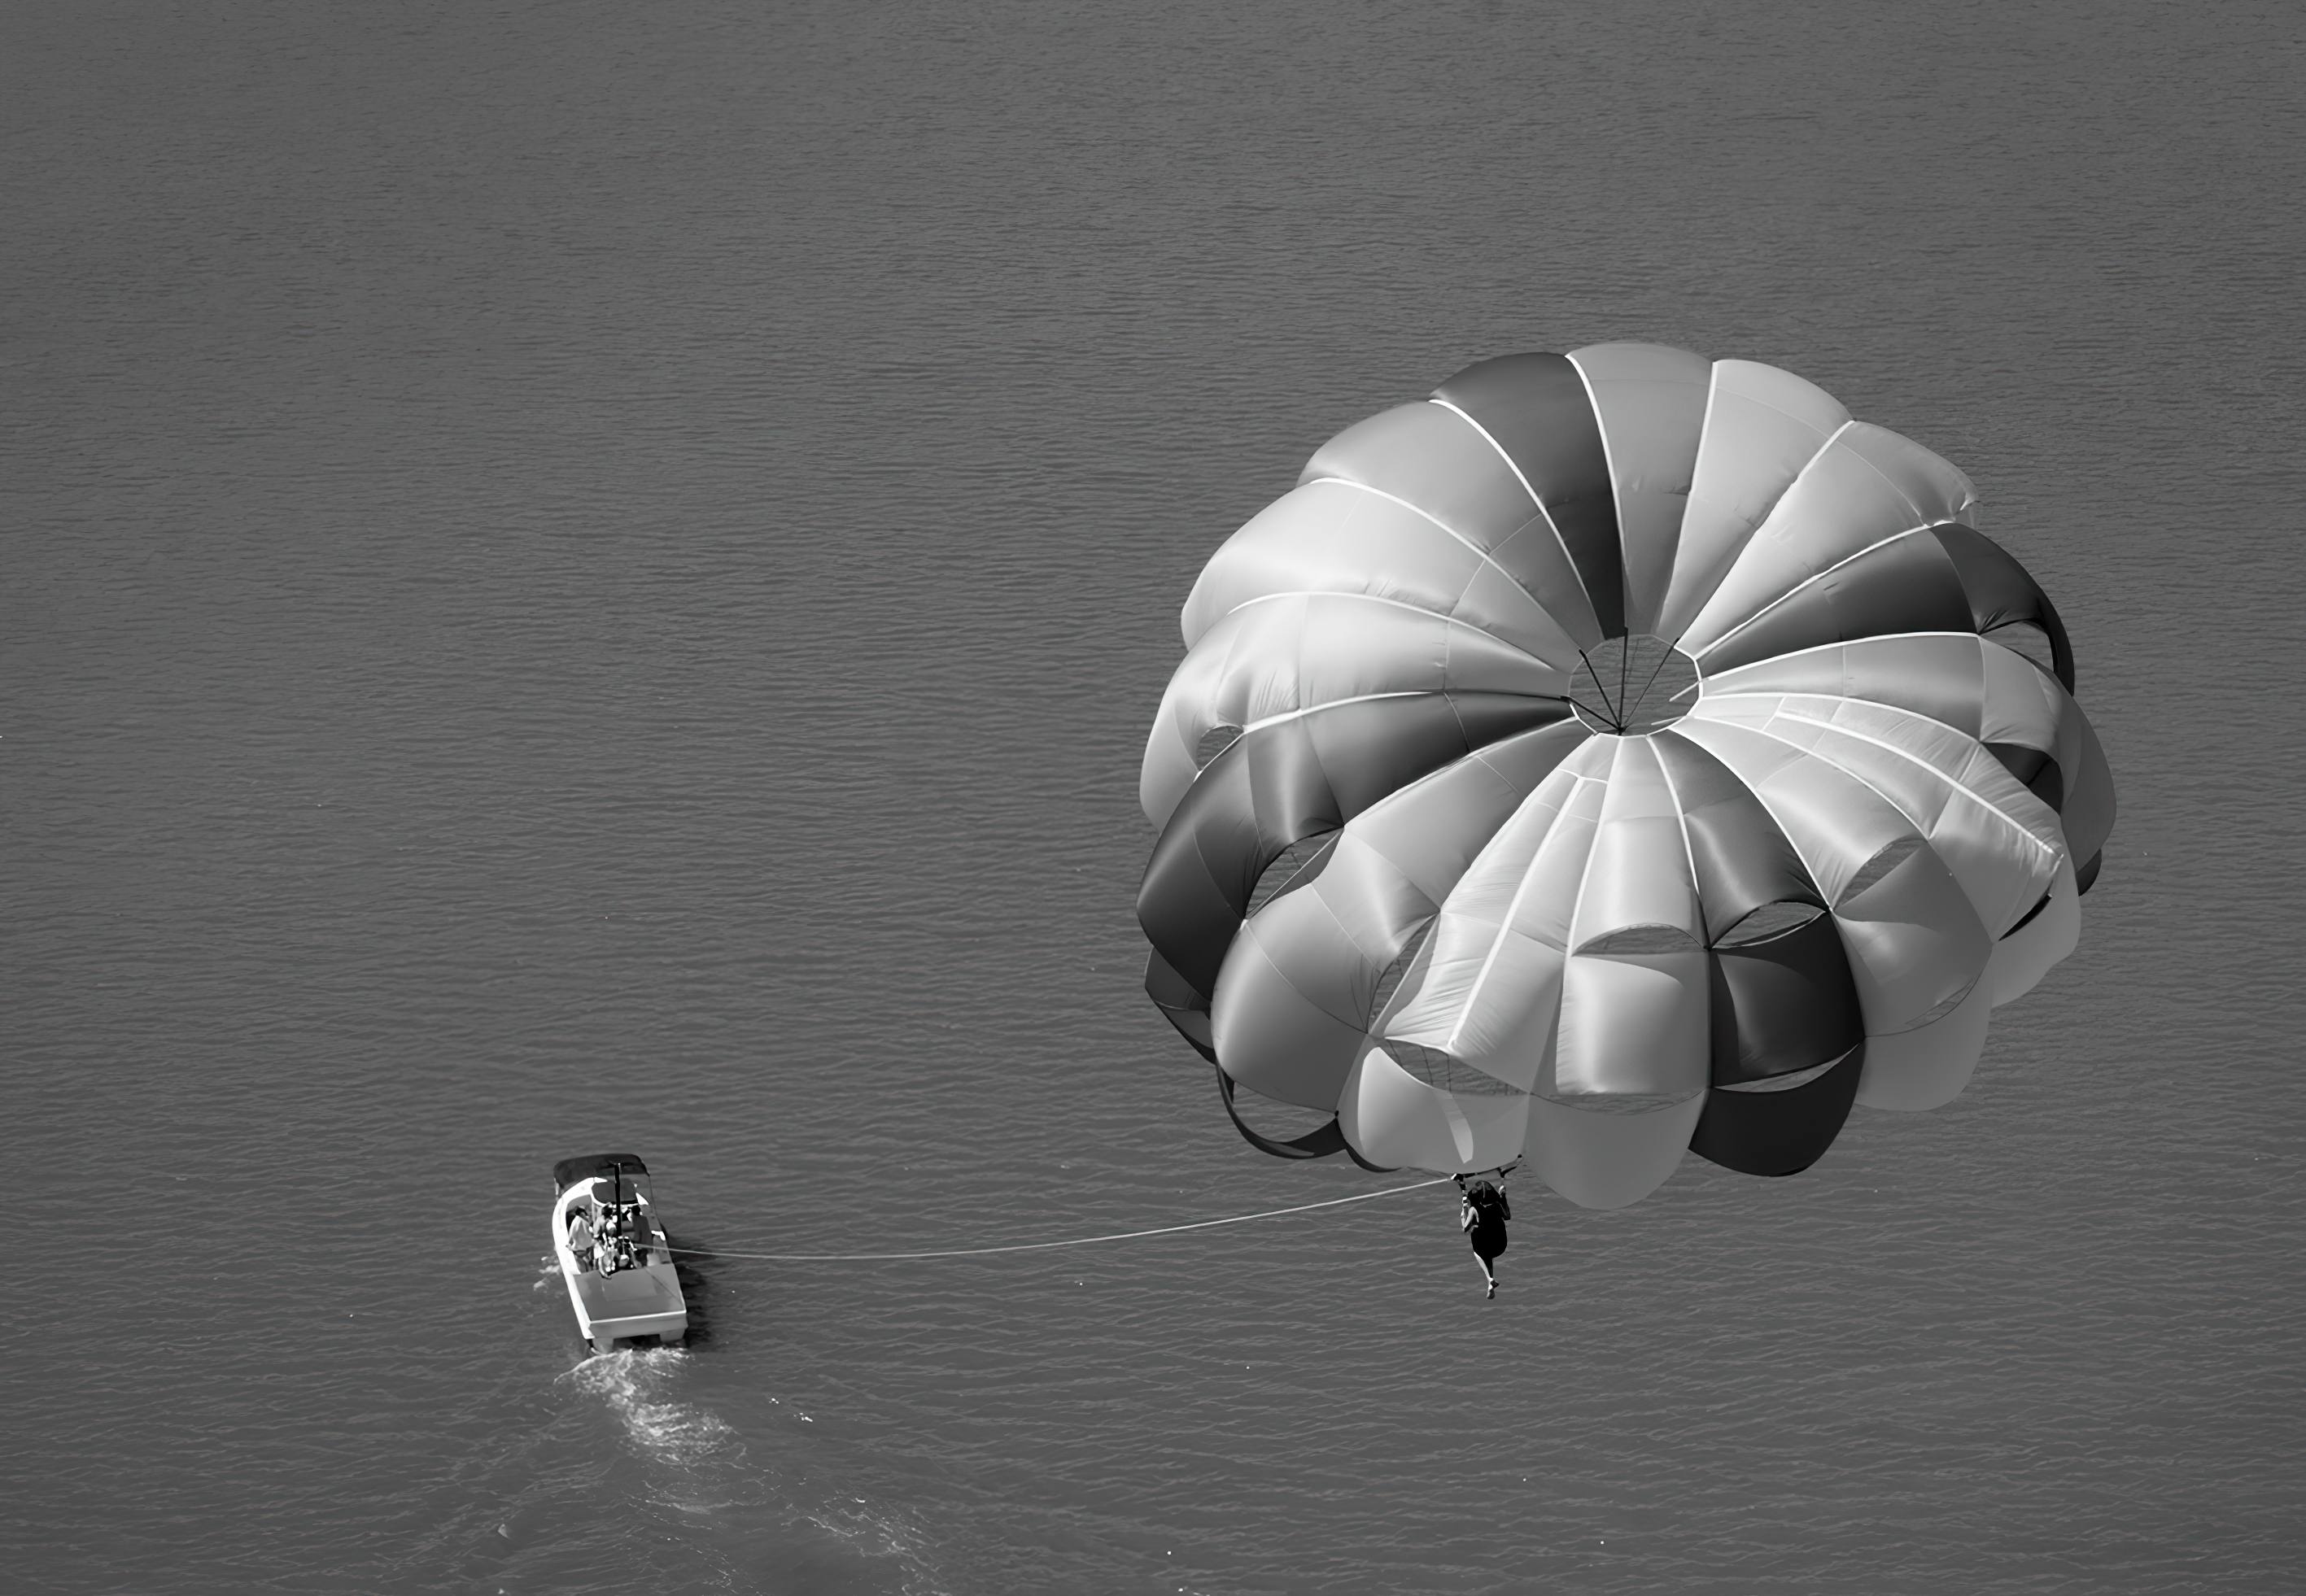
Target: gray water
{"points": [[582, 576]]}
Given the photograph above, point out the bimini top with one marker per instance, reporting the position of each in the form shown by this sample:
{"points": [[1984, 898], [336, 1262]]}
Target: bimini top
{"points": [[569, 1170]]}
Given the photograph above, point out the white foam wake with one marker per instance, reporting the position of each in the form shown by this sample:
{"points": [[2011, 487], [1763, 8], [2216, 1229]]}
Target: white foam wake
{"points": [[633, 1384]]}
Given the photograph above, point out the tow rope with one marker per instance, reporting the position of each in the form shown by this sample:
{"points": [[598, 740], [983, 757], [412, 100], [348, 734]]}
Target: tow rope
{"points": [[1123, 1236]]}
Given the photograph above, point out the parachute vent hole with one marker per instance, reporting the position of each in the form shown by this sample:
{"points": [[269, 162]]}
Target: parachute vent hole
{"points": [[1629, 686], [1215, 741], [1767, 924], [1298, 864]]}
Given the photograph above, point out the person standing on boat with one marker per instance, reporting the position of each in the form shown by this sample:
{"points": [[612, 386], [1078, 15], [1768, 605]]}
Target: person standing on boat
{"points": [[580, 1236], [1481, 1214]]}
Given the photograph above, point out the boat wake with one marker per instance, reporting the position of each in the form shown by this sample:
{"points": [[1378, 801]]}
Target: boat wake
{"points": [[880, 1538], [698, 1466], [633, 1384]]}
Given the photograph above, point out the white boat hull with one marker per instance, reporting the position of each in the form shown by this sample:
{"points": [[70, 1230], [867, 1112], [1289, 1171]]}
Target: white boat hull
{"points": [[631, 1303]]}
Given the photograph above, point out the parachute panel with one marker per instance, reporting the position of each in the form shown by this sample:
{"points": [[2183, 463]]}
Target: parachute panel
{"points": [[1609, 1157], [1914, 940], [1535, 410], [1782, 1005], [1425, 454], [1487, 989], [1741, 858], [1778, 1132], [1864, 487], [1942, 675], [1904, 583], [1392, 1118], [1281, 656], [2003, 593], [1762, 426], [2029, 951], [1633, 1025], [1334, 537], [1650, 402], [1926, 1066], [2000, 841]]}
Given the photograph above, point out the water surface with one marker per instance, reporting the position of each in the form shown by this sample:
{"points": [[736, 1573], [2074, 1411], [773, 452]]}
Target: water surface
{"points": [[573, 576]]}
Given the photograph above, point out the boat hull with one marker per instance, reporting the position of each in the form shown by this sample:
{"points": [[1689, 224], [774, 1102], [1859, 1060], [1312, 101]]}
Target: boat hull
{"points": [[633, 1303]]}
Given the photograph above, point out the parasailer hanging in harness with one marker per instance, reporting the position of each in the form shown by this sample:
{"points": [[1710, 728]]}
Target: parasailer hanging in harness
{"points": [[1482, 1211], [1614, 755]]}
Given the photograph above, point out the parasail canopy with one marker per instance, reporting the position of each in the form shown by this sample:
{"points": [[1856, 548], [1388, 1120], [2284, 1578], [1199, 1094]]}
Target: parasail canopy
{"points": [[1616, 753]]}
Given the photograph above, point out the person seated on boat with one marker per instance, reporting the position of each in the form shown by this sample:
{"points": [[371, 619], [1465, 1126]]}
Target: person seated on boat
{"points": [[581, 1241], [628, 1233], [642, 1233]]}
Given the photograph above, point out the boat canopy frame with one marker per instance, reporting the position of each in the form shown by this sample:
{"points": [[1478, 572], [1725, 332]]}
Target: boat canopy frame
{"points": [[569, 1172]]}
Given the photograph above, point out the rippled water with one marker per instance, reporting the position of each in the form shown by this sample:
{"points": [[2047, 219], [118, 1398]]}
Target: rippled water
{"points": [[577, 576]]}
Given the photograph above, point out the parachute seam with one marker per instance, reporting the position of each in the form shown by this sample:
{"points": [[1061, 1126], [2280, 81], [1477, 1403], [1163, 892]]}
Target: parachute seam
{"points": [[1688, 850], [1719, 694], [1726, 688], [1577, 906], [1505, 922], [1371, 598], [1274, 964], [1921, 830], [1786, 832], [1673, 566], [1308, 709], [1192, 746], [1616, 499], [1479, 553], [1738, 555], [1813, 577], [1776, 818], [1983, 802], [1545, 514], [1856, 735], [1796, 653], [1725, 684], [1969, 488], [1480, 757]]}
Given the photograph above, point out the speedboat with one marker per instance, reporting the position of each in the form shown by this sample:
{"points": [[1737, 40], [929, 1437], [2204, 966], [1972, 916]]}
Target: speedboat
{"points": [[613, 1252]]}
